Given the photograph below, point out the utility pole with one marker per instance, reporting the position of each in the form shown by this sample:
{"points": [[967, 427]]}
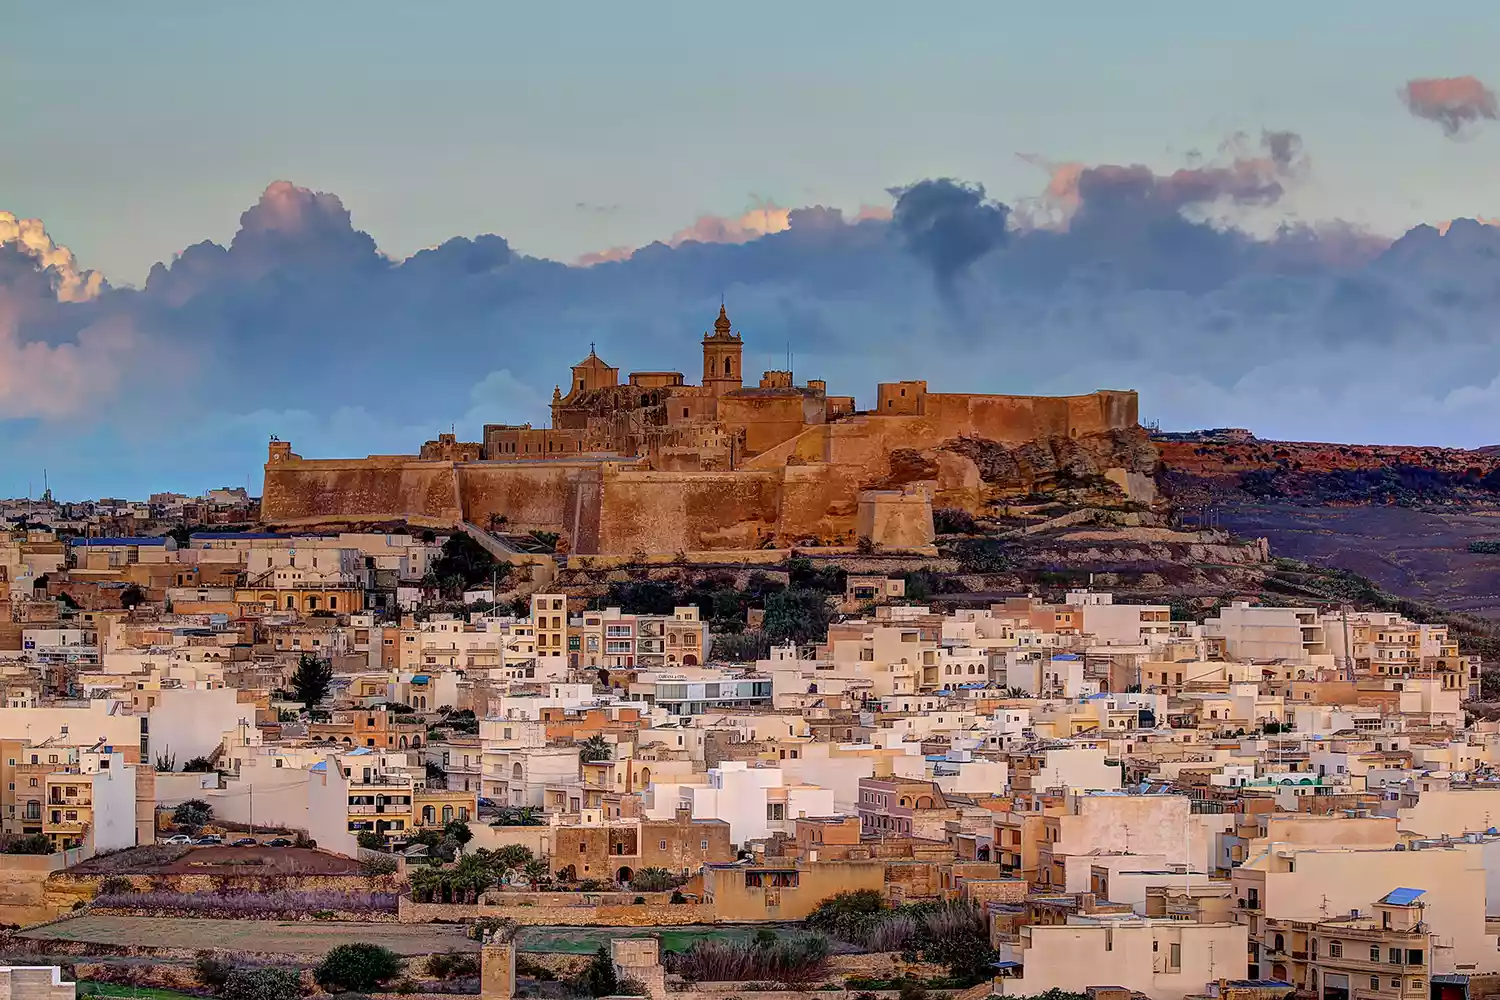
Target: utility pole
{"points": [[252, 808]]}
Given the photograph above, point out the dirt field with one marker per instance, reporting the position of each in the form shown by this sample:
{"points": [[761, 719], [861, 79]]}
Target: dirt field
{"points": [[1421, 554], [313, 937], [162, 860]]}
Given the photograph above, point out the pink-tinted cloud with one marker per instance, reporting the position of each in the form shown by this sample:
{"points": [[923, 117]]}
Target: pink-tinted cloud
{"points": [[1242, 175], [1454, 102], [53, 381], [605, 256], [763, 220]]}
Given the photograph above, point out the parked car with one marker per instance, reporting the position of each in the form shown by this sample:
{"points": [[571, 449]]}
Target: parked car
{"points": [[178, 838], [279, 842], [209, 840], [247, 842]]}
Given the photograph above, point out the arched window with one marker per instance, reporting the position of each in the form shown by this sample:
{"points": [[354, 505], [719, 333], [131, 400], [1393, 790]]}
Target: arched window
{"points": [[728, 366], [291, 603], [516, 773], [428, 815], [447, 815]]}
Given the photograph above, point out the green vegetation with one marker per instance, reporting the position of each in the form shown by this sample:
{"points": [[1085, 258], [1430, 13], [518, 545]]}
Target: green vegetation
{"points": [[36, 843], [453, 965], [269, 983], [598, 979], [469, 876], [370, 840], [312, 679], [360, 967], [95, 988], [1487, 547], [462, 564], [955, 935], [595, 748], [194, 813], [652, 879], [795, 963]]}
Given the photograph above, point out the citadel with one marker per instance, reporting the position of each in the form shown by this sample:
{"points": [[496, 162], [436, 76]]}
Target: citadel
{"points": [[655, 464]]}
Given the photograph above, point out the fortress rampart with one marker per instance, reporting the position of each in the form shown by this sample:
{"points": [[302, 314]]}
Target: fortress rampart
{"points": [[656, 465]]}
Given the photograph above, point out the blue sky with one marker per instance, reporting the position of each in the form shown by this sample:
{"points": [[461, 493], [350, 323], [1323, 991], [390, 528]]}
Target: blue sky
{"points": [[136, 130]]}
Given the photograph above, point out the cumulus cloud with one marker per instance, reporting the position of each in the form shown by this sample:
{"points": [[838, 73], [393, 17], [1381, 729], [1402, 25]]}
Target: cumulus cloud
{"points": [[300, 327], [1454, 102], [29, 237]]}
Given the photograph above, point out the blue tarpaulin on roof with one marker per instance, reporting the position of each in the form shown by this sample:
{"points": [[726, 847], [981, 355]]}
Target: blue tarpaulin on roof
{"points": [[1402, 897]]}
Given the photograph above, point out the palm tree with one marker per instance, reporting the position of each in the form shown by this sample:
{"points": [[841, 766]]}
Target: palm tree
{"points": [[593, 749], [428, 885], [535, 871]]}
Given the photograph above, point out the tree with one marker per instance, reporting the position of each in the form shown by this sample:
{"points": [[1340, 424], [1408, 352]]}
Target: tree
{"points": [[132, 597], [358, 967], [269, 983], [594, 748], [312, 679], [200, 765], [797, 614], [458, 831], [193, 813], [370, 840], [462, 563], [511, 856], [536, 871], [598, 978]]}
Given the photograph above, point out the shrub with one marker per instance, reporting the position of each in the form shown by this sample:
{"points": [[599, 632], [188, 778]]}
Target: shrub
{"points": [[654, 880], [359, 966], [453, 965], [36, 843], [598, 979], [375, 867], [677, 897], [793, 962], [282, 904], [527, 966], [193, 812], [115, 885], [263, 984], [213, 970], [371, 841]]}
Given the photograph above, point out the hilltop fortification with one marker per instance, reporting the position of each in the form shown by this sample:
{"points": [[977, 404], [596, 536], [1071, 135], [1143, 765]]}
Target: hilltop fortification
{"points": [[655, 464]]}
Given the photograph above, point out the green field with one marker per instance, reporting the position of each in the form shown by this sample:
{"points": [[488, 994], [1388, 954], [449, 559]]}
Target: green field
{"points": [[86, 987], [587, 940]]}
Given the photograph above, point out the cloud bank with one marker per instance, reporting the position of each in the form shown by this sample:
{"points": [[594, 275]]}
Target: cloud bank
{"points": [[1113, 275]]}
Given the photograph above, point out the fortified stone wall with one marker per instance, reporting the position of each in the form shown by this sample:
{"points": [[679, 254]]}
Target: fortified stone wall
{"points": [[373, 488], [804, 488]]}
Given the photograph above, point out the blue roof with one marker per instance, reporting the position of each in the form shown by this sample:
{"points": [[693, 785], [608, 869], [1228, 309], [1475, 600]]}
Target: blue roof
{"points": [[359, 752], [144, 540], [420, 678], [1065, 656], [1402, 897], [320, 766]]}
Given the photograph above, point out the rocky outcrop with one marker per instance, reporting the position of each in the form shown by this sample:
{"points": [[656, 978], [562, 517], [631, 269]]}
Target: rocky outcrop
{"points": [[1057, 462]]}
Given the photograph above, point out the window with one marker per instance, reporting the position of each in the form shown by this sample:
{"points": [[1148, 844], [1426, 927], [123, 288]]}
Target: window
{"points": [[702, 845], [1374, 982], [662, 846], [1335, 949], [1395, 984], [1395, 956], [1414, 956], [1374, 955], [32, 783]]}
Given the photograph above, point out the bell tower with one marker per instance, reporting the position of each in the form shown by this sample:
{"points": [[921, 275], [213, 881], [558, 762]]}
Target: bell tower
{"points": [[722, 352]]}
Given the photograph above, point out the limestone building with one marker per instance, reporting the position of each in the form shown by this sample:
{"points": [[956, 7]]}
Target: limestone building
{"points": [[655, 464]]}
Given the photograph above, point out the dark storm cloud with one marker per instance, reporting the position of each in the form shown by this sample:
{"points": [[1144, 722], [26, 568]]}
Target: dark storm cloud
{"points": [[948, 224]]}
